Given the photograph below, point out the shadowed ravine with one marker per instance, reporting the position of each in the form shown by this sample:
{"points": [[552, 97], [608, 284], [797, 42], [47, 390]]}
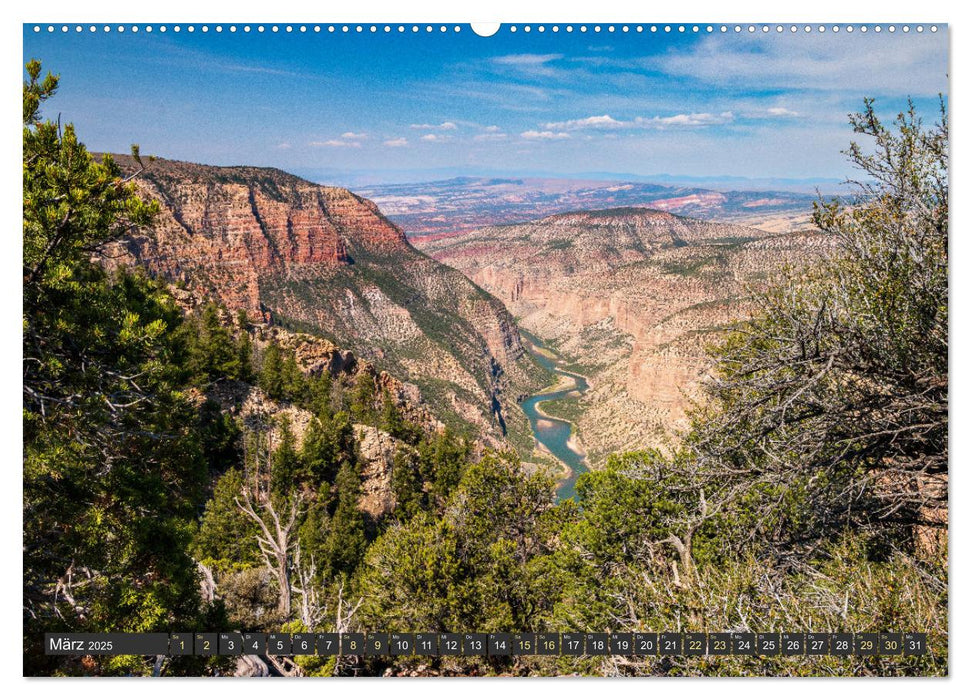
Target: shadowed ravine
{"points": [[554, 433]]}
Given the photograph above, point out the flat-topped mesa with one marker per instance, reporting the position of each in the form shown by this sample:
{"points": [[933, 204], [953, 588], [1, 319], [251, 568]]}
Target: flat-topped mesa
{"points": [[225, 227], [636, 226], [611, 216]]}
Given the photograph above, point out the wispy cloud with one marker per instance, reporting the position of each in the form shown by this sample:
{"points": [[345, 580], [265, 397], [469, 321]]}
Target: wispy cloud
{"points": [[335, 143], [490, 136], [444, 126], [350, 135], [530, 65], [526, 59], [396, 143], [894, 64], [781, 112], [544, 135]]}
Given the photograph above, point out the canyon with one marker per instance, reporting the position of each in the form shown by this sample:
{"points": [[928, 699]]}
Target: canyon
{"points": [[632, 297], [629, 298]]}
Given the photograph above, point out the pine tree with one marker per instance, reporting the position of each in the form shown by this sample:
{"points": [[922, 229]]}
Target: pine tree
{"points": [[112, 469], [293, 381], [244, 347], [347, 540], [364, 399], [287, 472], [226, 539], [271, 371], [213, 353], [406, 484]]}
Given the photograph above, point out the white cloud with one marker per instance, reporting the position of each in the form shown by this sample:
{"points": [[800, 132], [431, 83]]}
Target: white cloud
{"points": [[435, 138], [693, 119], [492, 129], [283, 145], [396, 143], [897, 64], [335, 143], [526, 59], [604, 121], [544, 135], [444, 126], [352, 136], [781, 112], [529, 65]]}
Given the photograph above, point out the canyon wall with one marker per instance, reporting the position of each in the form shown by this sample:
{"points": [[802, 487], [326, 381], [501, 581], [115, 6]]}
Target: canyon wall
{"points": [[633, 297], [323, 260]]}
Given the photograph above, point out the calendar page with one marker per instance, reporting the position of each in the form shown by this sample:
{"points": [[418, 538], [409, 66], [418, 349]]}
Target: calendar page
{"points": [[421, 350]]}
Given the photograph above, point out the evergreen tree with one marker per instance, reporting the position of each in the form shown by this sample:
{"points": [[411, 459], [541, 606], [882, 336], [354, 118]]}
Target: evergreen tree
{"points": [[314, 535], [271, 371], [213, 353], [363, 409], [320, 453], [293, 382], [287, 472], [347, 540], [112, 467], [394, 423], [443, 458], [244, 349], [319, 388], [226, 539], [406, 484]]}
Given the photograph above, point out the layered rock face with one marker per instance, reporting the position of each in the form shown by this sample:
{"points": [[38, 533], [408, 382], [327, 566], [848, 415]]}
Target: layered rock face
{"points": [[323, 260], [633, 296], [225, 229]]}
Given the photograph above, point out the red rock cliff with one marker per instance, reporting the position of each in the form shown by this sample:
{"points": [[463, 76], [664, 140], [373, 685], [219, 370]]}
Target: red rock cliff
{"points": [[224, 229]]}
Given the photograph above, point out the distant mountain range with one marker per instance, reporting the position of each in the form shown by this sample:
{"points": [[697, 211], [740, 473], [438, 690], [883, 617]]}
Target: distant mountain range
{"points": [[447, 207], [368, 178]]}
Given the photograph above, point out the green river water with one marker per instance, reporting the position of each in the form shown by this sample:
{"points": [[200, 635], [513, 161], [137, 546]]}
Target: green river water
{"points": [[554, 433]]}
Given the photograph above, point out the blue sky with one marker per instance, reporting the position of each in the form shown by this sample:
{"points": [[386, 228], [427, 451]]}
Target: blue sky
{"points": [[762, 105]]}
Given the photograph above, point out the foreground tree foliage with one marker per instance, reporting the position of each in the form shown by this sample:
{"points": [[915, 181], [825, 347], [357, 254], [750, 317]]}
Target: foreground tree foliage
{"points": [[113, 464], [830, 405]]}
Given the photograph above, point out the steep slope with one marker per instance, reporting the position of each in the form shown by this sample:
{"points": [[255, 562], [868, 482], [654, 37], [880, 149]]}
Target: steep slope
{"points": [[323, 260], [632, 296]]}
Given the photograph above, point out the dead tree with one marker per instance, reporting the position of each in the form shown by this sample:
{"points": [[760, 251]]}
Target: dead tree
{"points": [[276, 517], [312, 610], [276, 539]]}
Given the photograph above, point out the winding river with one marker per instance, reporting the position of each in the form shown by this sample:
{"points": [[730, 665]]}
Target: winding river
{"points": [[554, 433]]}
